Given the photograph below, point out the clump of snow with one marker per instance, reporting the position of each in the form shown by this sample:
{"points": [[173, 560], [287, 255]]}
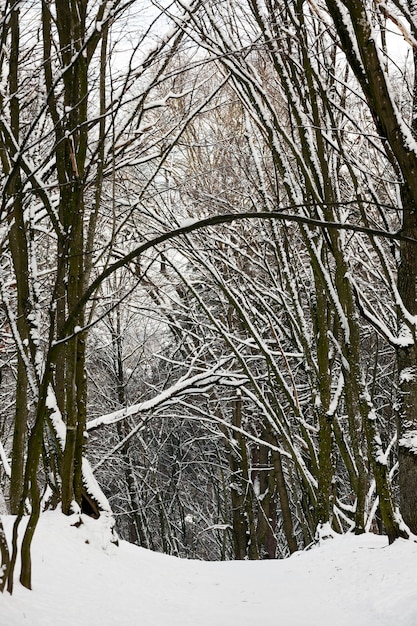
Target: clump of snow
{"points": [[407, 375], [409, 441], [189, 221], [405, 336], [324, 532], [347, 580]]}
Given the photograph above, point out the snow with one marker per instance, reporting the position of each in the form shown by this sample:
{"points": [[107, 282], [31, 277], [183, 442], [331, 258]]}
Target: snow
{"points": [[185, 385], [405, 336], [409, 441], [190, 221], [5, 461], [407, 375], [93, 489], [80, 578], [56, 417]]}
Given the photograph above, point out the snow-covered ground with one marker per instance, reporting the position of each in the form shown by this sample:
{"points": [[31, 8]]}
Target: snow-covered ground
{"points": [[345, 581]]}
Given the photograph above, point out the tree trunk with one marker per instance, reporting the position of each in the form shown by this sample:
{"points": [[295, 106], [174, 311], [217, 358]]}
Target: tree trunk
{"points": [[371, 75], [407, 367], [19, 251]]}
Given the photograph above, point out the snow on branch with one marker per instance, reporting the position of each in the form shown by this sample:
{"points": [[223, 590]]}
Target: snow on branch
{"points": [[93, 489], [186, 385], [402, 24], [226, 218], [4, 461]]}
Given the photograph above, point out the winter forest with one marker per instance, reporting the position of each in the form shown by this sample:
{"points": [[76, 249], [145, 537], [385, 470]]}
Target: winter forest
{"points": [[208, 272]]}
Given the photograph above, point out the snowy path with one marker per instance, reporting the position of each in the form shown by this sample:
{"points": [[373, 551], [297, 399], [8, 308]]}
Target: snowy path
{"points": [[348, 581]]}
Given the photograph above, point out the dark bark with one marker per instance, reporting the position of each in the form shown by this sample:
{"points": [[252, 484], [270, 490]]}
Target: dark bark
{"points": [[282, 489], [19, 252], [5, 558]]}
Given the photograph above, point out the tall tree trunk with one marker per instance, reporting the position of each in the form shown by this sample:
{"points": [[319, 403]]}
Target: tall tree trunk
{"points": [[370, 72], [407, 367], [70, 167], [19, 251]]}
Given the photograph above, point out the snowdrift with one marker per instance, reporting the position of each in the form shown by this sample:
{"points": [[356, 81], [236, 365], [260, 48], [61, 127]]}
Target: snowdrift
{"points": [[81, 578]]}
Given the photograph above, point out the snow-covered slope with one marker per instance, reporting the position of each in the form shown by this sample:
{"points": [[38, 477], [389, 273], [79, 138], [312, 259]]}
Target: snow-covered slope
{"points": [[346, 581]]}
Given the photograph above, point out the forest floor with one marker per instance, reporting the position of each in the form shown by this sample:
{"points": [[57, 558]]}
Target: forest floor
{"points": [[80, 578]]}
